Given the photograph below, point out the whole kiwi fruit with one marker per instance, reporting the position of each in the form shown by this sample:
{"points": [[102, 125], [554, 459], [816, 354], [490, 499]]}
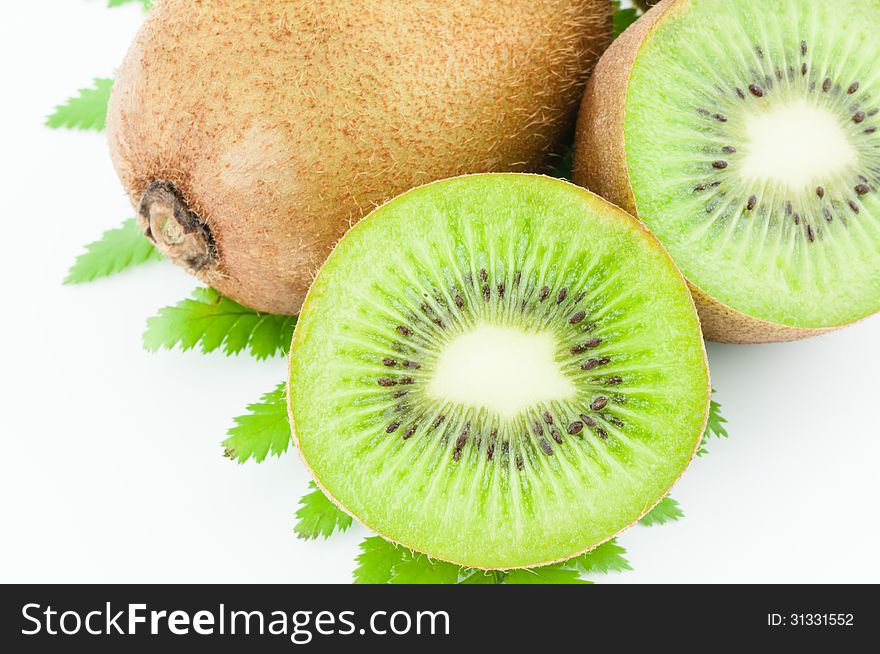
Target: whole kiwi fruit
{"points": [[251, 135]]}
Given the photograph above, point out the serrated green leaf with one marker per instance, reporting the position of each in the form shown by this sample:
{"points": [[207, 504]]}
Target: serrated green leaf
{"points": [[419, 569], [212, 322], [146, 4], [668, 510], [377, 560], [481, 577], [608, 557], [318, 516], [623, 18], [264, 430], [714, 427], [87, 110], [116, 250], [548, 574]]}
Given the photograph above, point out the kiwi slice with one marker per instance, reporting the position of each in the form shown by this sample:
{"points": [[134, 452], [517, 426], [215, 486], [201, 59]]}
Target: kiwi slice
{"points": [[745, 135], [498, 370]]}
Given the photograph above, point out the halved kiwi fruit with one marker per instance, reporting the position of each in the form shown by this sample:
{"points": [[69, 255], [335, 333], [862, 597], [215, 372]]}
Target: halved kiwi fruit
{"points": [[498, 370], [745, 135]]}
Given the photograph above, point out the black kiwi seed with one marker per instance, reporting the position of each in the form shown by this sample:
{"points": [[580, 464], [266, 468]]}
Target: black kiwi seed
{"points": [[862, 189], [599, 403], [575, 428], [614, 381], [740, 93], [588, 421], [556, 436], [398, 394], [459, 301], [544, 293], [386, 382], [410, 431], [546, 448], [753, 201], [701, 187], [760, 51], [728, 149], [797, 219], [853, 88], [580, 349], [602, 433], [548, 418], [438, 421], [721, 118], [828, 216], [560, 298], [592, 364], [486, 292], [858, 117], [854, 206], [577, 318], [388, 361], [756, 90], [826, 85], [538, 427], [501, 290], [720, 165], [803, 48], [804, 69], [820, 191], [403, 330], [520, 464], [870, 130], [810, 234], [392, 427], [517, 278]]}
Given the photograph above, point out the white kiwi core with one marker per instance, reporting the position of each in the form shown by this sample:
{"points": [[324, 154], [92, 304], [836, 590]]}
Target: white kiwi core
{"points": [[504, 370], [797, 145]]}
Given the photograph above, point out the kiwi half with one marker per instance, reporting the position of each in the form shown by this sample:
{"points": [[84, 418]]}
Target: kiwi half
{"points": [[498, 370], [250, 134], [745, 135]]}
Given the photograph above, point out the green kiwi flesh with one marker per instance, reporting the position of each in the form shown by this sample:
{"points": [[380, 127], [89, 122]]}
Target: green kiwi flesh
{"points": [[753, 152], [498, 370]]}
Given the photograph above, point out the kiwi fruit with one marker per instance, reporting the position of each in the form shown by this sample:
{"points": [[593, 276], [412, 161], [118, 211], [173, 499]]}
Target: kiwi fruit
{"points": [[746, 136], [250, 135], [498, 370]]}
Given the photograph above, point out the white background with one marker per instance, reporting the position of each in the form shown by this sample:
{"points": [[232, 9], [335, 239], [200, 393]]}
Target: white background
{"points": [[111, 468]]}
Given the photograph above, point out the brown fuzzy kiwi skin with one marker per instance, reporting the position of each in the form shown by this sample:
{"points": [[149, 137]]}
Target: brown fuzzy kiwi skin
{"points": [[600, 165], [647, 235], [280, 124]]}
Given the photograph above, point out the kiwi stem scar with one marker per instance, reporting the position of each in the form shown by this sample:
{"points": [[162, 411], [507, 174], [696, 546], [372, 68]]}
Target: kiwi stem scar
{"points": [[175, 229]]}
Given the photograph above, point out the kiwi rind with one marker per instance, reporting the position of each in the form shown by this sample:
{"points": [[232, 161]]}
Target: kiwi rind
{"points": [[298, 335], [600, 165], [278, 130]]}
